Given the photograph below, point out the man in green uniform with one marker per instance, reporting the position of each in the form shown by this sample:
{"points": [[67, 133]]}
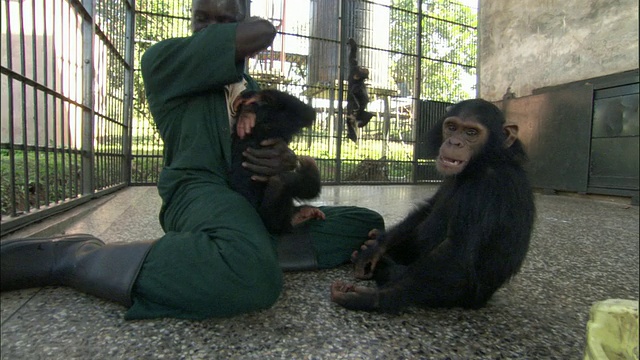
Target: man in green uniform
{"points": [[216, 258]]}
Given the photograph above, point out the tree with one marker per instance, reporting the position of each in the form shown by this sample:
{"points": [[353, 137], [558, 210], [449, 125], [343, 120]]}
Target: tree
{"points": [[449, 48], [156, 20]]}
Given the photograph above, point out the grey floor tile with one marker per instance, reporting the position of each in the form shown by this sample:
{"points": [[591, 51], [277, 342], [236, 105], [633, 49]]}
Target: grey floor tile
{"points": [[583, 250]]}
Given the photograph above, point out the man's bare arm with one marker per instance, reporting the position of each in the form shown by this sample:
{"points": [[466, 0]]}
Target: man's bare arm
{"points": [[253, 35]]}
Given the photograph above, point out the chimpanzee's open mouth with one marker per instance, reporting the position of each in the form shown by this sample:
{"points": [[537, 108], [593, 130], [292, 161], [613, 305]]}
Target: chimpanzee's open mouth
{"points": [[450, 162]]}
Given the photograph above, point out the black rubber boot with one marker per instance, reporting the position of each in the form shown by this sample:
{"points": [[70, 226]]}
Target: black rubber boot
{"points": [[296, 251], [80, 261]]}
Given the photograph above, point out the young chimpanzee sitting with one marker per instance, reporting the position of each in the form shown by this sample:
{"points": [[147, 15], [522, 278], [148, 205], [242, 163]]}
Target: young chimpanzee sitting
{"points": [[471, 237], [357, 94], [277, 115]]}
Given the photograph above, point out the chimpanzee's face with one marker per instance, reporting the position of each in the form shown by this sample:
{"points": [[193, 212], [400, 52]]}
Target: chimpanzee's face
{"points": [[207, 12], [462, 139]]}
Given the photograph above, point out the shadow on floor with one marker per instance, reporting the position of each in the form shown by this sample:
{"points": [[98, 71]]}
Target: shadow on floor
{"points": [[583, 250]]}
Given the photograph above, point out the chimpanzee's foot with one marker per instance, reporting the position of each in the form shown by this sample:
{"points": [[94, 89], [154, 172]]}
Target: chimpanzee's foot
{"points": [[363, 247], [354, 297], [351, 129], [363, 119], [373, 234], [305, 213]]}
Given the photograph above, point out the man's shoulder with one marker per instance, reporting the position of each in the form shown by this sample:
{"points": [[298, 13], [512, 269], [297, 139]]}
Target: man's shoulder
{"points": [[159, 50], [158, 46]]}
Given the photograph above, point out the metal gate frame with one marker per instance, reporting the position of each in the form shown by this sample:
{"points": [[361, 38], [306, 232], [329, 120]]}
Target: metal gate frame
{"points": [[347, 163], [75, 125], [66, 74]]}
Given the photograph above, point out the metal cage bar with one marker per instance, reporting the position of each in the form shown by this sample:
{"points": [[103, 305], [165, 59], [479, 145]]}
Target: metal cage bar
{"points": [[75, 123], [64, 111], [401, 43]]}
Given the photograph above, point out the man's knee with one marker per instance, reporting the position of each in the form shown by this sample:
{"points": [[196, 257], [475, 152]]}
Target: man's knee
{"points": [[192, 276], [257, 282], [264, 290], [250, 272]]}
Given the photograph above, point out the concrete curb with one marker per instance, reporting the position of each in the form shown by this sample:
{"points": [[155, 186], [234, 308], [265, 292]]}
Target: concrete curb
{"points": [[56, 224]]}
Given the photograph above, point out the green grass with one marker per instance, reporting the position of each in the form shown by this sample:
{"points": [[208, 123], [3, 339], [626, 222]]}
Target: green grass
{"points": [[42, 178]]}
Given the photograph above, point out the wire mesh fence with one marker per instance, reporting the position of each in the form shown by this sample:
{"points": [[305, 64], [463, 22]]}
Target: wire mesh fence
{"points": [[66, 98], [408, 65], [155, 21], [74, 119]]}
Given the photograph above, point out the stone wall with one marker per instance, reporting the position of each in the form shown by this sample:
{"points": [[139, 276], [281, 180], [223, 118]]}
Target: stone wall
{"points": [[530, 44]]}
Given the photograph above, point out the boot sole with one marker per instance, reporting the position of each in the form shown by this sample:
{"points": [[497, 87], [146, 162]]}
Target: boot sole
{"points": [[13, 275], [13, 243]]}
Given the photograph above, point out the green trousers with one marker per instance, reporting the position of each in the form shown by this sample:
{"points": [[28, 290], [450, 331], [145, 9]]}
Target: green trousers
{"points": [[218, 260]]}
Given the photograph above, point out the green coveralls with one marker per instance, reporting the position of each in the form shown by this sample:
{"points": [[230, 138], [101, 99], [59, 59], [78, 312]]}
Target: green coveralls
{"points": [[216, 258]]}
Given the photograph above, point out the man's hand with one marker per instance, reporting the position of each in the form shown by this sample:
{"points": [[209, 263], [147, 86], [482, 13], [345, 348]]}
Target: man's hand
{"points": [[273, 158]]}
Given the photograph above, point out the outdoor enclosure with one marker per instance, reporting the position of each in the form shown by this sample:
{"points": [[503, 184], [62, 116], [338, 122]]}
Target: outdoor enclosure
{"points": [[306, 59], [75, 123], [66, 80]]}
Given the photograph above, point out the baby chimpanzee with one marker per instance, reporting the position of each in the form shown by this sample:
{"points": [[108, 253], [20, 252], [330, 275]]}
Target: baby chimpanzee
{"points": [[278, 115], [357, 95]]}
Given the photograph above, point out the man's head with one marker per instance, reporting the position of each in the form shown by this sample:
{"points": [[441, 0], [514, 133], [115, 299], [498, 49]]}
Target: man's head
{"points": [[207, 12]]}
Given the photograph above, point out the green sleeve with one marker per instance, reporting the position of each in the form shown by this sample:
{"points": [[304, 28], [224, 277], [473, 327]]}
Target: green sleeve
{"points": [[180, 67]]}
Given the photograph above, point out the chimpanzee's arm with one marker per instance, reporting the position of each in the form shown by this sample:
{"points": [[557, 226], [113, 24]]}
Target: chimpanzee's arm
{"points": [[277, 204], [422, 229], [353, 50], [402, 234], [423, 283]]}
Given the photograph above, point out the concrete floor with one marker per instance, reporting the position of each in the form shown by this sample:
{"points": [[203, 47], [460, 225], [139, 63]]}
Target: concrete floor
{"points": [[583, 250]]}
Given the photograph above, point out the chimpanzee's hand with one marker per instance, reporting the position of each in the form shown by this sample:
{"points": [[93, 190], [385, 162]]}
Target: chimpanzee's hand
{"points": [[306, 212], [272, 158], [246, 114], [367, 258]]}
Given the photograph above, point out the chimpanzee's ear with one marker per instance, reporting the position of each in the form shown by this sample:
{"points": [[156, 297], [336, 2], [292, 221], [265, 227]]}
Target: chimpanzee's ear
{"points": [[511, 131]]}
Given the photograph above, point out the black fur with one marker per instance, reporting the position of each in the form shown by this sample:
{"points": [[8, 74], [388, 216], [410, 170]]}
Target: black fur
{"points": [[464, 243], [278, 115], [357, 94]]}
